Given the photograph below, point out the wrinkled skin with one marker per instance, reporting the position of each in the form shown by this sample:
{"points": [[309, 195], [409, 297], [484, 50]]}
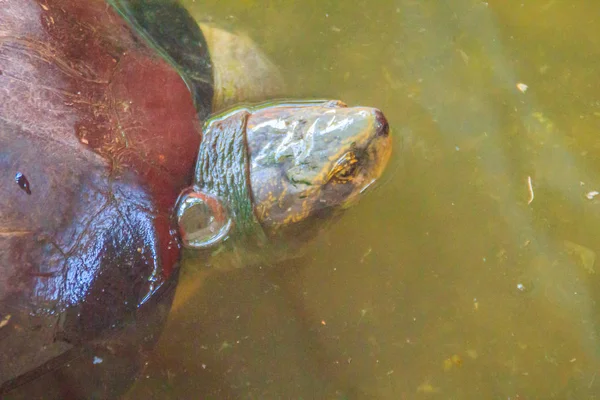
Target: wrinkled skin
{"points": [[98, 139]]}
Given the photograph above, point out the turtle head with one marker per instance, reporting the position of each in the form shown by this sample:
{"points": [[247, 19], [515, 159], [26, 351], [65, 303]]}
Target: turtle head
{"points": [[311, 161], [269, 178]]}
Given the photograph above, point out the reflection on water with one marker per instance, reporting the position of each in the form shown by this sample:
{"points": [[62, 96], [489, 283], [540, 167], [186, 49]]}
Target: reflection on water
{"points": [[470, 273]]}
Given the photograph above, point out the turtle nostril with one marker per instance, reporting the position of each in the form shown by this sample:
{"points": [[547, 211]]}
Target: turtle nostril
{"points": [[383, 128]]}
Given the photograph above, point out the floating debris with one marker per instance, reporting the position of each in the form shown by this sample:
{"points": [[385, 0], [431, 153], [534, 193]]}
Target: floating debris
{"points": [[530, 187], [522, 87], [366, 254], [592, 194], [97, 360], [464, 56], [4, 321]]}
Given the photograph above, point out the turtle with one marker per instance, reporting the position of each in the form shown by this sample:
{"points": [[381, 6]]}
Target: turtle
{"points": [[131, 139]]}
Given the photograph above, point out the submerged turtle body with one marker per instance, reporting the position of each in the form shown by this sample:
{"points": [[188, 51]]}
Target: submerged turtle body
{"points": [[101, 107]]}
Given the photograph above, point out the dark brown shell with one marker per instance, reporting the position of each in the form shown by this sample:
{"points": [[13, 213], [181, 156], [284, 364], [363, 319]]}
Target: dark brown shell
{"points": [[98, 135]]}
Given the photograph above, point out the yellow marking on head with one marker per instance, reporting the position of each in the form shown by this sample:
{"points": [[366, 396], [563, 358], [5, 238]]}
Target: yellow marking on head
{"points": [[283, 193], [345, 147], [297, 217]]}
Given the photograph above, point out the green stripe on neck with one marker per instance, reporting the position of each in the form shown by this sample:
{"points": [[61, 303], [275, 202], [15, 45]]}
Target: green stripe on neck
{"points": [[222, 170]]}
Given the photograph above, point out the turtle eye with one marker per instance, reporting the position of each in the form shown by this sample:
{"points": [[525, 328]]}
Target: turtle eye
{"points": [[345, 168]]}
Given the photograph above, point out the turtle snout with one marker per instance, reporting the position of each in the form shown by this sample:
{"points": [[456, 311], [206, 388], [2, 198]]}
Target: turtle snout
{"points": [[382, 126], [380, 147]]}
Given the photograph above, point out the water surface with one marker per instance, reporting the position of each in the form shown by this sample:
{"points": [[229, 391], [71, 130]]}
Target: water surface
{"points": [[470, 272]]}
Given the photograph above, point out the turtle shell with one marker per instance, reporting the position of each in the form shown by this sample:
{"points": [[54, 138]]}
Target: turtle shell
{"points": [[98, 135]]}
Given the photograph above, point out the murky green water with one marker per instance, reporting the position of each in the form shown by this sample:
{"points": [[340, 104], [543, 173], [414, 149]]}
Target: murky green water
{"points": [[469, 274]]}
